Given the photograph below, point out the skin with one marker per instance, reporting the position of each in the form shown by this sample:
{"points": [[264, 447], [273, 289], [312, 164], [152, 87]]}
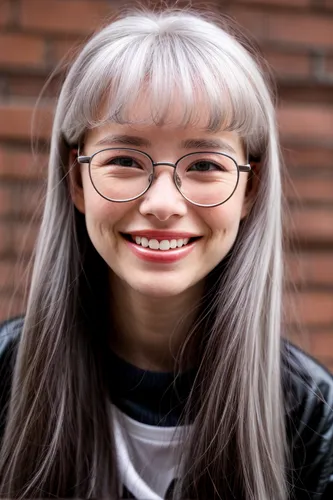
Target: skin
{"points": [[148, 299]]}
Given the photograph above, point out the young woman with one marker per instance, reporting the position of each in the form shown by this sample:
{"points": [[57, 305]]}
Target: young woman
{"points": [[151, 361]]}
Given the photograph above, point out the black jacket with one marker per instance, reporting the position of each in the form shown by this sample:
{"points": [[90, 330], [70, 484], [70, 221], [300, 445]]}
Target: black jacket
{"points": [[308, 389]]}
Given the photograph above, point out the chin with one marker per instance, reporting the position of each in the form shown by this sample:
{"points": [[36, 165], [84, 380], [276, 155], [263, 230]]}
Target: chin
{"points": [[157, 290], [160, 287]]}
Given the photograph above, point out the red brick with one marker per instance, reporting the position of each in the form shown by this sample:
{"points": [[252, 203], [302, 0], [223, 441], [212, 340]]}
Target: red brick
{"points": [[310, 308], [23, 238], [277, 3], [308, 157], [17, 238], [328, 4], [312, 224], [11, 305], [310, 189], [14, 275], [5, 202], [16, 121], [80, 16], [306, 91], [286, 64], [6, 274], [5, 236], [22, 164], [32, 86], [306, 122], [310, 30], [64, 49], [329, 65], [21, 200], [5, 12], [322, 344], [310, 269], [21, 50], [251, 20]]}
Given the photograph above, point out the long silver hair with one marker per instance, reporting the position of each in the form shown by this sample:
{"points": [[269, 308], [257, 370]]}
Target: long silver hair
{"points": [[58, 438]]}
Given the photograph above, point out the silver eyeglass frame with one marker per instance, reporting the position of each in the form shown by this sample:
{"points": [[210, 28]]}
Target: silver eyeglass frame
{"points": [[87, 159]]}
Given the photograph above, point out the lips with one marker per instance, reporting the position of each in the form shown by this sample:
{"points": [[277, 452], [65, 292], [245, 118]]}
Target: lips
{"points": [[160, 247]]}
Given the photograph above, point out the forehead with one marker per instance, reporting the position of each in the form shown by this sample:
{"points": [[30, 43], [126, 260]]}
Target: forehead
{"points": [[176, 110], [145, 129]]}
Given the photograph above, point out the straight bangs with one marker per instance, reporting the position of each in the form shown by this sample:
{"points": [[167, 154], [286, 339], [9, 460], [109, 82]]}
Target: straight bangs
{"points": [[179, 77]]}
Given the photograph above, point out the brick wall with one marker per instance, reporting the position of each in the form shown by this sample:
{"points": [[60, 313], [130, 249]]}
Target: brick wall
{"points": [[297, 38]]}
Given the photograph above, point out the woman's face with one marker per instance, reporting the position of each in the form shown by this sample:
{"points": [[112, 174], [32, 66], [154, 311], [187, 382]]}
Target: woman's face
{"points": [[161, 213]]}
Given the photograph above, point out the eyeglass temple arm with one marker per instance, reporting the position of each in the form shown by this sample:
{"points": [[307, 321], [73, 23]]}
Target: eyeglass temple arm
{"points": [[245, 168], [83, 159]]}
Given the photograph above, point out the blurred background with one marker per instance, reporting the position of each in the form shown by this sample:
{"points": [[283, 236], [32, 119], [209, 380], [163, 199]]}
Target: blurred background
{"points": [[296, 37]]}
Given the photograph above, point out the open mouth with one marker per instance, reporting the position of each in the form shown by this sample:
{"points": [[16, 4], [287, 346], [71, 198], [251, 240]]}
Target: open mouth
{"points": [[162, 245]]}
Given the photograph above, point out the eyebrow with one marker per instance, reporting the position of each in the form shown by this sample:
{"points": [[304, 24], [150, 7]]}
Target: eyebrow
{"points": [[132, 140]]}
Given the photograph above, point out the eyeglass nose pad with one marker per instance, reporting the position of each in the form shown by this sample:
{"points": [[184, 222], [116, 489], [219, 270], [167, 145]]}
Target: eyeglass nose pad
{"points": [[150, 178], [178, 180]]}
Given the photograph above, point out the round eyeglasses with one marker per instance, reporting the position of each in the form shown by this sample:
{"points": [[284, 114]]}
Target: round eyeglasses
{"points": [[206, 179]]}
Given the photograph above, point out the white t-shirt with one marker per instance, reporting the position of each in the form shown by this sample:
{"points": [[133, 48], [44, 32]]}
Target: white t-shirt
{"points": [[147, 455]]}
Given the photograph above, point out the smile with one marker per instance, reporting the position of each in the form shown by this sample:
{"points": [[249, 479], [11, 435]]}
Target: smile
{"points": [[158, 249], [154, 244], [159, 243]]}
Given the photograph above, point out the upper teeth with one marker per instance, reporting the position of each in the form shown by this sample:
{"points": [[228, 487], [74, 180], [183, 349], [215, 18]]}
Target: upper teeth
{"points": [[160, 245]]}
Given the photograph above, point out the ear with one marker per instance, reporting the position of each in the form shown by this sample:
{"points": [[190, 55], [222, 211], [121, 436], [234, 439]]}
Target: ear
{"points": [[251, 188], [75, 182]]}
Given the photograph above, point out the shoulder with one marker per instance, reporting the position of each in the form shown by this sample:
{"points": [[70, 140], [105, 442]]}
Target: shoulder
{"points": [[10, 332], [305, 378], [308, 390]]}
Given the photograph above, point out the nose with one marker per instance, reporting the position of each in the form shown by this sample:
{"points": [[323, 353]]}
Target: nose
{"points": [[163, 200]]}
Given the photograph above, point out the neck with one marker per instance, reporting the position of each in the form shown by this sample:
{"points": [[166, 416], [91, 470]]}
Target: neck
{"points": [[149, 332]]}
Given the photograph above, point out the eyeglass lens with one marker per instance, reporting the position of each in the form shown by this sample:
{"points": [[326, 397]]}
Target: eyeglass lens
{"points": [[202, 178]]}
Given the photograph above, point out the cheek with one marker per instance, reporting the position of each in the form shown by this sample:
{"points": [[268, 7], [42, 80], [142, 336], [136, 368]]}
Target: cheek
{"points": [[224, 219], [98, 211], [101, 217]]}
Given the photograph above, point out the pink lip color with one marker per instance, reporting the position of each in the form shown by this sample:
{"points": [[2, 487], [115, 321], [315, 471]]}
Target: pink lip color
{"points": [[160, 256]]}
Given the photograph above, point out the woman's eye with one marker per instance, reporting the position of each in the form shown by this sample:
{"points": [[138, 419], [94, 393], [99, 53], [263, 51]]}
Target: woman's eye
{"points": [[123, 161], [205, 166]]}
